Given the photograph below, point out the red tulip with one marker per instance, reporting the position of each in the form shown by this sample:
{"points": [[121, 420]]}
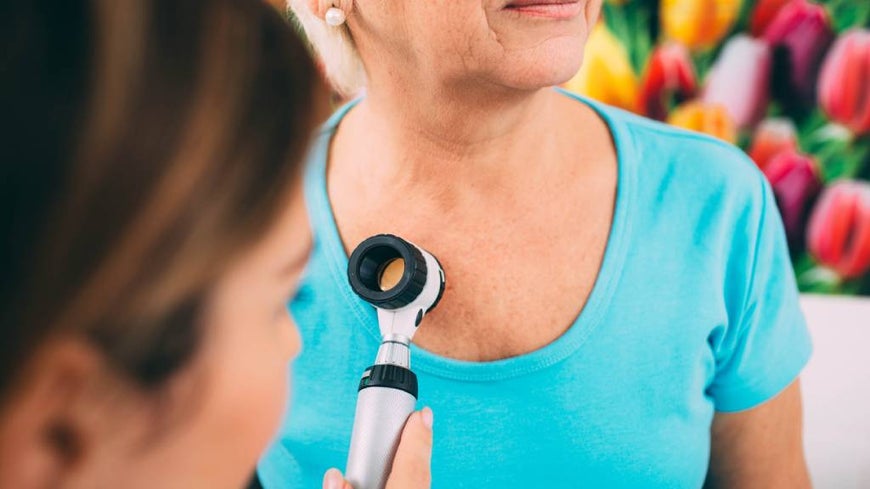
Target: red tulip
{"points": [[771, 137], [740, 80], [801, 33], [844, 85], [669, 80], [796, 184], [763, 15], [838, 235]]}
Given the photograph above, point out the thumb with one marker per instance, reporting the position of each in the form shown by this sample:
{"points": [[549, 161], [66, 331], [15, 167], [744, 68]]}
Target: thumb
{"points": [[333, 479], [411, 469]]}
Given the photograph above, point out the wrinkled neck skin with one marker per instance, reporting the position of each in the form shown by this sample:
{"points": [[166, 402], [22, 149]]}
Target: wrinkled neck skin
{"points": [[413, 134]]}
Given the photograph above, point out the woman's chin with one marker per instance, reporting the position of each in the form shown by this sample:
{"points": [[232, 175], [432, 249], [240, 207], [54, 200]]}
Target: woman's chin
{"points": [[542, 73]]}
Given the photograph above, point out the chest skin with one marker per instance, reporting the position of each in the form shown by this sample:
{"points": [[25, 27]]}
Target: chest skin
{"points": [[521, 257], [509, 287]]}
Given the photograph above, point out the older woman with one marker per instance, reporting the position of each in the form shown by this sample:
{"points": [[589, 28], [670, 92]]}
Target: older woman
{"points": [[621, 310]]}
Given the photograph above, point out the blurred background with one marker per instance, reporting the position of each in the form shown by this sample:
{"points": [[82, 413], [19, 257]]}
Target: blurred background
{"points": [[786, 80]]}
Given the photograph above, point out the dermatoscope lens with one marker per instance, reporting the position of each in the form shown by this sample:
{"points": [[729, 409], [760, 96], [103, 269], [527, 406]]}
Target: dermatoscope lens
{"points": [[390, 273], [387, 271]]}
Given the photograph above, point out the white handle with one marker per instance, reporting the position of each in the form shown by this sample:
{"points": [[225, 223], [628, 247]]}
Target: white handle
{"points": [[381, 413]]}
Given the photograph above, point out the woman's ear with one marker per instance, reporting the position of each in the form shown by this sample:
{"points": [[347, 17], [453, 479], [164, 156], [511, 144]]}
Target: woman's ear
{"points": [[45, 438]]}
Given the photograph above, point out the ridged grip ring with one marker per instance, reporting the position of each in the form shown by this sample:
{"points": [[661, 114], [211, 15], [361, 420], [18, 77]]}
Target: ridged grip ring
{"points": [[368, 259]]}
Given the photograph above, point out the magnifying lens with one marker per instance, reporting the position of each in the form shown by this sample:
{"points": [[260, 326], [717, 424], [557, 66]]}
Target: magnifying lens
{"points": [[403, 282]]}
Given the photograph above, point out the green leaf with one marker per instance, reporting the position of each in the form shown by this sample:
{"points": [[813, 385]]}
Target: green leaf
{"points": [[631, 24], [819, 280], [614, 19], [641, 41], [862, 148], [808, 126], [703, 62], [745, 16], [802, 263], [851, 287], [848, 14]]}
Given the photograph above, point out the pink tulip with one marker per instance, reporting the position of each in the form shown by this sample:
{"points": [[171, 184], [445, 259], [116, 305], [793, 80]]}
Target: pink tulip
{"points": [[669, 79], [740, 80], [844, 85], [796, 184], [771, 137], [838, 235], [801, 33]]}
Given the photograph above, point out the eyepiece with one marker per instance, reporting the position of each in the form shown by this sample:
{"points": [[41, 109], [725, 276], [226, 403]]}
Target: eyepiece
{"points": [[387, 271]]}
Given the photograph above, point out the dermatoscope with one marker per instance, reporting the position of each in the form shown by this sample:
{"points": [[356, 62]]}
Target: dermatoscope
{"points": [[404, 282]]}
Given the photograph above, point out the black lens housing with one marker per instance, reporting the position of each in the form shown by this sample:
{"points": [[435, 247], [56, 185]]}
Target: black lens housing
{"points": [[367, 262]]}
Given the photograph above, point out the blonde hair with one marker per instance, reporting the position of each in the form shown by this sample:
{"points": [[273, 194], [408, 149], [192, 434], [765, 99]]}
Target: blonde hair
{"points": [[334, 46]]}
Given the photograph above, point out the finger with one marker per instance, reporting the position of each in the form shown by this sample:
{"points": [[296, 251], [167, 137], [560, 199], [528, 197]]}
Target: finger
{"points": [[411, 467], [333, 479]]}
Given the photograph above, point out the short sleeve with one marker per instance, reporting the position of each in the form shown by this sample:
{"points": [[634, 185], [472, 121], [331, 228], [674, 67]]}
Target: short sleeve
{"points": [[766, 343]]}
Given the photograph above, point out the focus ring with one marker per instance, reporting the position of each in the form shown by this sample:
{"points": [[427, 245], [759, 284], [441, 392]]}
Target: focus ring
{"points": [[368, 259], [392, 376]]}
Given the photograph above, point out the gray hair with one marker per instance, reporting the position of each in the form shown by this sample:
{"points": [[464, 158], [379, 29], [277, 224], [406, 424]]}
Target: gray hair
{"points": [[334, 47]]}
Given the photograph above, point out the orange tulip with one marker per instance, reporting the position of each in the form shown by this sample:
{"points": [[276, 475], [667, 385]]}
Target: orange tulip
{"points": [[699, 24], [711, 119], [606, 74]]}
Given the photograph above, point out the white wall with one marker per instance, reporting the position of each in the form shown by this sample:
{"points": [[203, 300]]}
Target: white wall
{"points": [[836, 390]]}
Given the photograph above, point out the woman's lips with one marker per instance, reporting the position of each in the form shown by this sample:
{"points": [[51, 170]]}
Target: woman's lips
{"points": [[553, 9]]}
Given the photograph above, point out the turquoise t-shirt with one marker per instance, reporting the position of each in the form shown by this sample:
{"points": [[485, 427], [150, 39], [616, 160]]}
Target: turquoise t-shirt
{"points": [[695, 310]]}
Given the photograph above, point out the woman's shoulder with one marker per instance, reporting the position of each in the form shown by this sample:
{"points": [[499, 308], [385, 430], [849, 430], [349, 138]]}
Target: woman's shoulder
{"points": [[672, 159]]}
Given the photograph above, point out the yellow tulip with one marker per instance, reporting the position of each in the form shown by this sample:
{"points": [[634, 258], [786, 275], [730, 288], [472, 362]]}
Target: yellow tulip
{"points": [[699, 24], [712, 119], [606, 74]]}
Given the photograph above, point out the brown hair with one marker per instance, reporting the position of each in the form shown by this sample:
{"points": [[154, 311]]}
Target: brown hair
{"points": [[146, 144]]}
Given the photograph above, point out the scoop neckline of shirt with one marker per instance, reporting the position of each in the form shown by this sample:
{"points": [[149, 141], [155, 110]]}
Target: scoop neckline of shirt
{"points": [[326, 233]]}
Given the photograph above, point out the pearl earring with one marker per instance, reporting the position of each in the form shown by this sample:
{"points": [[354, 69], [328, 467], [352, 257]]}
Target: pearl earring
{"points": [[335, 16]]}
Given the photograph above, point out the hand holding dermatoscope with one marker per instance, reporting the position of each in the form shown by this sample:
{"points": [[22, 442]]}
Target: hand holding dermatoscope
{"points": [[403, 282]]}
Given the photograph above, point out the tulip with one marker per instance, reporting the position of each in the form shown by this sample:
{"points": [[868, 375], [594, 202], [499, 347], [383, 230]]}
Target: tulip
{"points": [[669, 77], [796, 183], [699, 24], [838, 235], [763, 14], [740, 80], [771, 137], [707, 118], [844, 84], [800, 34], [606, 74]]}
